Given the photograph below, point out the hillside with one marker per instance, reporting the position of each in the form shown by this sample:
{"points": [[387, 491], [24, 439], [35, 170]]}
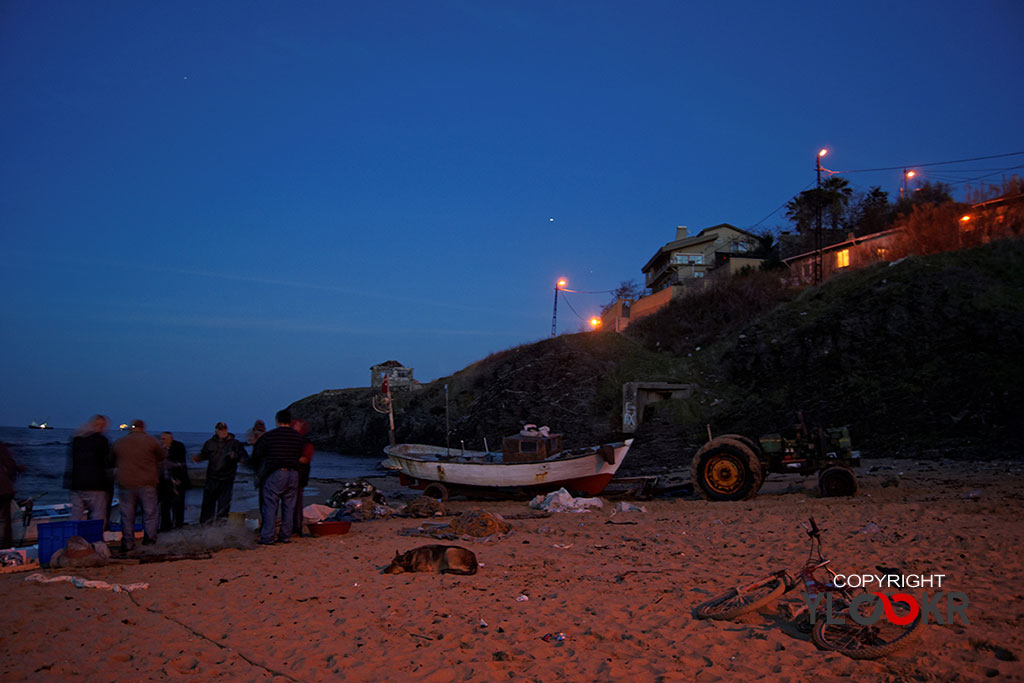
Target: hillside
{"points": [[920, 357]]}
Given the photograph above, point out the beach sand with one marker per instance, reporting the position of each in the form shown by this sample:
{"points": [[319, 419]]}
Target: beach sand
{"points": [[620, 587]]}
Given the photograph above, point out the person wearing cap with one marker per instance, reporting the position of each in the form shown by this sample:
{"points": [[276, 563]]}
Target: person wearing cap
{"points": [[139, 459], [222, 451]]}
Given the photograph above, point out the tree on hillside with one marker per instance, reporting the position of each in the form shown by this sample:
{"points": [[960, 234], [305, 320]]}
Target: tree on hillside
{"points": [[768, 250], [933, 228], [928, 194], [627, 289], [871, 212], [831, 199], [1010, 187]]}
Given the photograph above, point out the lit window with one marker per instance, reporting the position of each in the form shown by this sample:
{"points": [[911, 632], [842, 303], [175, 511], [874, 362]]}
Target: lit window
{"points": [[843, 258], [882, 253]]}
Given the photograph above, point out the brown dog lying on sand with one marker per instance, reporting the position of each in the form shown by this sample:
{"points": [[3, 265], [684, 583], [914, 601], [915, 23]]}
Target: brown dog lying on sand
{"points": [[443, 559]]}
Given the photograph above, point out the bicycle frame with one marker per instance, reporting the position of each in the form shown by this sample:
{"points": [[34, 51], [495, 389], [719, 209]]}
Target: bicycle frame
{"points": [[807, 576]]}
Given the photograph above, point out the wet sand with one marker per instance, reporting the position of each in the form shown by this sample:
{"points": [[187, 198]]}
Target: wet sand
{"points": [[621, 588]]}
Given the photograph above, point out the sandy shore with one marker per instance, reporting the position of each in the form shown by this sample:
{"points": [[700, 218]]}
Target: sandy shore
{"points": [[621, 588]]}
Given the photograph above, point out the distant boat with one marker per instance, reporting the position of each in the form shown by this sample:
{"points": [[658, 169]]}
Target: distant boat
{"points": [[587, 470], [39, 425]]}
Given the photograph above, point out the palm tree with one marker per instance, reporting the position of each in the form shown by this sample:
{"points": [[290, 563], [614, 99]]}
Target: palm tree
{"points": [[835, 197], [832, 200]]}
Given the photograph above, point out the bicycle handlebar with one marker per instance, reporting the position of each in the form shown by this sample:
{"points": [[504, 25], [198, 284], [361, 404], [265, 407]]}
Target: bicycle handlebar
{"points": [[811, 530]]}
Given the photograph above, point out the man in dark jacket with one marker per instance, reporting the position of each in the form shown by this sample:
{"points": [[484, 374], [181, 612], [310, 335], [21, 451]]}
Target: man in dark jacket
{"points": [[91, 464], [173, 484], [279, 453], [223, 453]]}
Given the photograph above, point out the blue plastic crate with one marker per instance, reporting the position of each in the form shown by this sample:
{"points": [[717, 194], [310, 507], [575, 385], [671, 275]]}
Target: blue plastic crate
{"points": [[54, 535]]}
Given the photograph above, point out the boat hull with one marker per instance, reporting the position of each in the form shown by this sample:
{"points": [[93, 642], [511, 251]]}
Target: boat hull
{"points": [[587, 473]]}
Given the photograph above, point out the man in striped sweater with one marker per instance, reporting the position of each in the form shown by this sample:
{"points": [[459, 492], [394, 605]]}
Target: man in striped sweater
{"points": [[279, 453]]}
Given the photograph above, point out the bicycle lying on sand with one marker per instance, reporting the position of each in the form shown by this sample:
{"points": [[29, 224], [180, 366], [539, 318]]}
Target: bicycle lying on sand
{"points": [[831, 625]]}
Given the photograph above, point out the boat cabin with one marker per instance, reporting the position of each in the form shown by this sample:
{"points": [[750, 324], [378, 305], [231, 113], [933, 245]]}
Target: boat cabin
{"points": [[520, 448]]}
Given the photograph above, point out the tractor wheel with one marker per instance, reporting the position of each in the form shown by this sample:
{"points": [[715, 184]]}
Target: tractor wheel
{"points": [[726, 470], [755, 448], [837, 481], [749, 443]]}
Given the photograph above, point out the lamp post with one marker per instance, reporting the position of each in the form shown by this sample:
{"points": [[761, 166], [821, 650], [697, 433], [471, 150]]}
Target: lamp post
{"points": [[817, 227], [907, 175], [554, 313]]}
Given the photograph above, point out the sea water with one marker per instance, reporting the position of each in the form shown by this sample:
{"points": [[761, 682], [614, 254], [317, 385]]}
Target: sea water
{"points": [[44, 454]]}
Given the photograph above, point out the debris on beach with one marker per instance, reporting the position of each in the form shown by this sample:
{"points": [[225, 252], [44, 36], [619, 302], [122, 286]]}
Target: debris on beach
{"points": [[870, 528], [563, 501], [362, 509], [472, 525], [80, 582], [425, 506], [353, 489]]}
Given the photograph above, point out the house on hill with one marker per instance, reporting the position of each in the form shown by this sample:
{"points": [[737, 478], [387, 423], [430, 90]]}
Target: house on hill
{"points": [[398, 376], [719, 251], [850, 254], [722, 248]]}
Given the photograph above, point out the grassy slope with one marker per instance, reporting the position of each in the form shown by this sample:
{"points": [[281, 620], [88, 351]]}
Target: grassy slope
{"points": [[921, 354]]}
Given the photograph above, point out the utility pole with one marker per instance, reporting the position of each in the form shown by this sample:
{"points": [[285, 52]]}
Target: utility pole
{"points": [[817, 228], [554, 313]]}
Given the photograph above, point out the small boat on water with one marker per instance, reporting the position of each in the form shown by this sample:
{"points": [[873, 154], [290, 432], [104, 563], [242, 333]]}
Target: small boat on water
{"points": [[39, 425], [526, 463]]}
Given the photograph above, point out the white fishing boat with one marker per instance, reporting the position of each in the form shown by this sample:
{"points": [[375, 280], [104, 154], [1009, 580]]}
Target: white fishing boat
{"points": [[526, 462]]}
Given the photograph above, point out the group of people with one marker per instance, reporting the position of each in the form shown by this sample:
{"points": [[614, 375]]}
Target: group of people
{"points": [[153, 474]]}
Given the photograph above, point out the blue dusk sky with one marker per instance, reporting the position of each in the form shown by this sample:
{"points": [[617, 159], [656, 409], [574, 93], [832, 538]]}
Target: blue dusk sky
{"points": [[212, 209]]}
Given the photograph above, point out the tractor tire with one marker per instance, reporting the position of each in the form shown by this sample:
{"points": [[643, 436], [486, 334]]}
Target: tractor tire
{"points": [[750, 444], [755, 448], [724, 469], [837, 481]]}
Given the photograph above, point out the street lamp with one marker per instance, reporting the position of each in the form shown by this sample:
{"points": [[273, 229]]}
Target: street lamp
{"points": [[554, 313], [595, 323], [907, 175], [817, 227]]}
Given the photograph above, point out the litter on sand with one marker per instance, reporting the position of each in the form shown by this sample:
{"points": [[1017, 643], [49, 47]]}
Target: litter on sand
{"points": [[472, 525], [79, 582], [562, 501]]}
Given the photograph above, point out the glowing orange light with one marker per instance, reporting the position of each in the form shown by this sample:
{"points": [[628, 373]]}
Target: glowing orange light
{"points": [[823, 152], [595, 323], [964, 219], [910, 174], [561, 283]]}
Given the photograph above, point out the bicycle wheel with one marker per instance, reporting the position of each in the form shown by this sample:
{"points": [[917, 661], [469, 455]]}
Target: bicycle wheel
{"points": [[858, 641], [737, 601]]}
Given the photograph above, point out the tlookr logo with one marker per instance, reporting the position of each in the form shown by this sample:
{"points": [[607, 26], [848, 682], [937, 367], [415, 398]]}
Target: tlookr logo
{"points": [[871, 607]]}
